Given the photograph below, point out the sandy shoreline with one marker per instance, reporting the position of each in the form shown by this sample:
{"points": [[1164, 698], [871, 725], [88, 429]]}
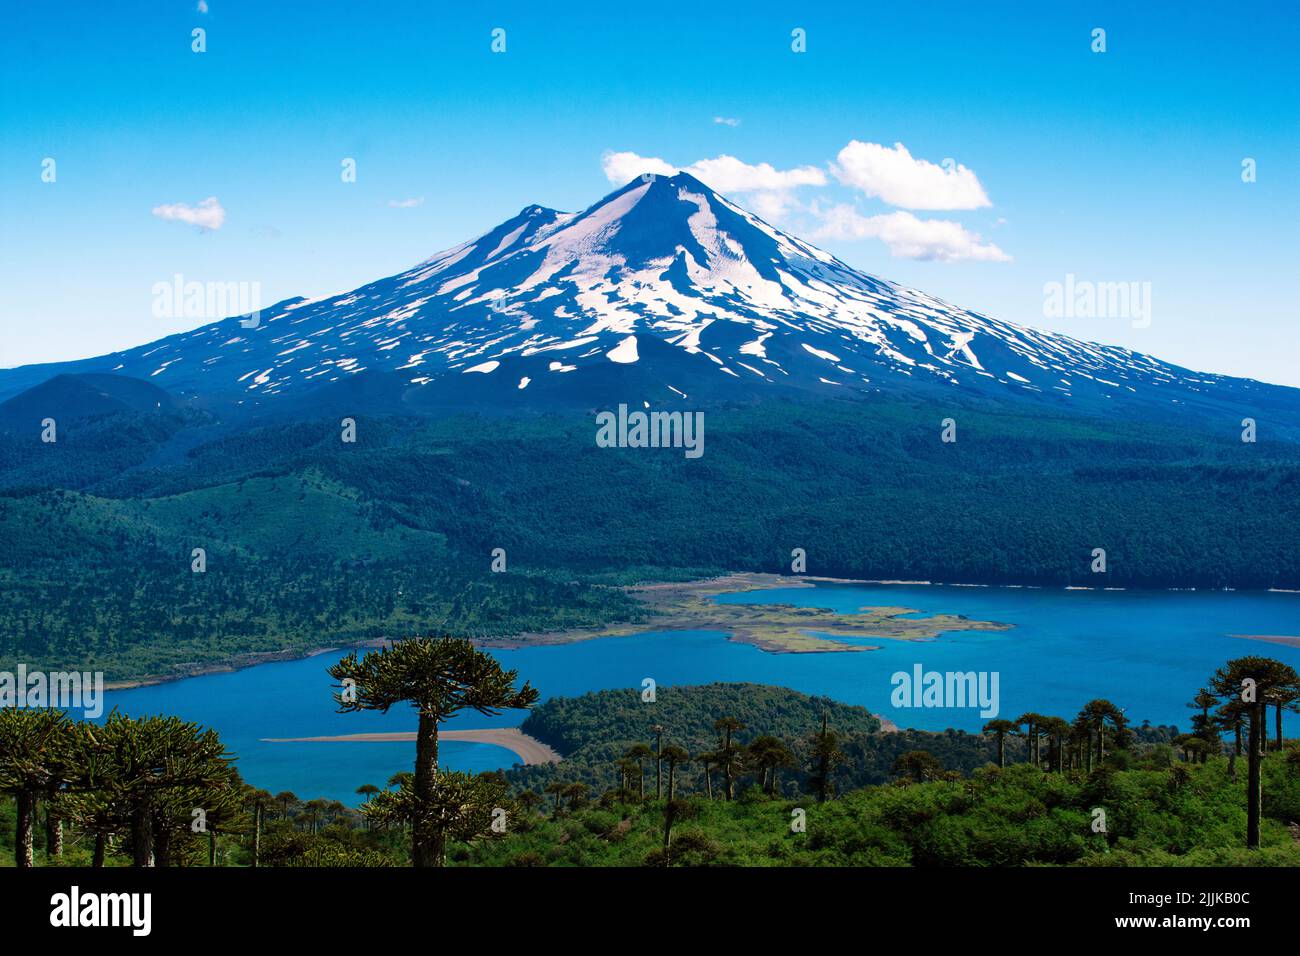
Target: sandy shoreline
{"points": [[529, 750], [1286, 640]]}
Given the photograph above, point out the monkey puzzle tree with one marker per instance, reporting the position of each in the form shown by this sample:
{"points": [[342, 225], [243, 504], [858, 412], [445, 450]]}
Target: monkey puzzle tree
{"points": [[728, 753], [674, 756], [457, 806], [439, 677], [35, 757], [1099, 713], [257, 801], [707, 760], [1000, 728], [556, 789], [1058, 733], [674, 811], [769, 754], [576, 794], [658, 730], [1202, 723], [149, 775], [1283, 698], [918, 766], [626, 768], [285, 801], [639, 753], [826, 756], [530, 800], [1254, 682], [1032, 723]]}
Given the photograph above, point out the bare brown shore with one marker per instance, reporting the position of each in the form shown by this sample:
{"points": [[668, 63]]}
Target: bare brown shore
{"points": [[775, 628], [528, 749]]}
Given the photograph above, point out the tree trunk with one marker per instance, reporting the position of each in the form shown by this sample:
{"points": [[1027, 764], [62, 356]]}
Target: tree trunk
{"points": [[726, 766], [1279, 726], [141, 834], [641, 770], [162, 844], [1254, 794], [97, 860], [659, 766], [426, 842], [1002, 749], [24, 837], [53, 831], [708, 783], [1236, 730], [212, 848], [257, 833], [671, 783]]}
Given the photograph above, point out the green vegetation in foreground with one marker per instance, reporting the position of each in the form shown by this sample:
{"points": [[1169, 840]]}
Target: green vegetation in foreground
{"points": [[593, 732], [314, 543], [126, 790], [1166, 813]]}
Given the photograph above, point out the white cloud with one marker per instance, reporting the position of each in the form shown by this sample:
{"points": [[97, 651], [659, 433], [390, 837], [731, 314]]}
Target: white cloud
{"points": [[890, 174], [621, 168], [208, 214], [724, 173], [203, 6], [768, 189], [727, 174], [405, 203], [726, 121], [894, 176], [908, 237]]}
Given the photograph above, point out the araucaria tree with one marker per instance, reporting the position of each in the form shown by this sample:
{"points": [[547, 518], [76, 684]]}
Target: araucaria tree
{"points": [[1000, 729], [729, 754], [146, 777], [34, 753], [1096, 714], [826, 755], [1255, 682], [439, 677]]}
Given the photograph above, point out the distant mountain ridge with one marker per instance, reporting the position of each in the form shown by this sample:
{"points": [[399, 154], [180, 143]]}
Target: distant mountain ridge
{"points": [[663, 292]]}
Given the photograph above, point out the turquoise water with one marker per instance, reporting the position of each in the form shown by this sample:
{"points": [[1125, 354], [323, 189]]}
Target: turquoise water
{"points": [[1148, 652]]}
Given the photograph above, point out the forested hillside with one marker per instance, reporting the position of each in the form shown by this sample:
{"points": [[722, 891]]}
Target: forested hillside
{"points": [[311, 540]]}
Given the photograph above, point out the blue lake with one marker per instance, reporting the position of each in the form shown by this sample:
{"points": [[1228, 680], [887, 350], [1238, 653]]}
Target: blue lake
{"points": [[1147, 651]]}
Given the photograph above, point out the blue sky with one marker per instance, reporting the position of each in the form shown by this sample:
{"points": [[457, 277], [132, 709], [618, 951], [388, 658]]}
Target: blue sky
{"points": [[1123, 166]]}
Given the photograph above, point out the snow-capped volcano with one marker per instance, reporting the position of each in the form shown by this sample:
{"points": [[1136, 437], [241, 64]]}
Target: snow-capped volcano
{"points": [[661, 291]]}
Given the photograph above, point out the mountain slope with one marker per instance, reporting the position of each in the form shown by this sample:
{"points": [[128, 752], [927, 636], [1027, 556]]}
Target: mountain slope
{"points": [[661, 292], [82, 396]]}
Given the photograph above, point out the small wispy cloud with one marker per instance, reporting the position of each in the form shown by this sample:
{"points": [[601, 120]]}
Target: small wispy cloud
{"points": [[203, 6], [405, 203], [207, 215], [726, 121]]}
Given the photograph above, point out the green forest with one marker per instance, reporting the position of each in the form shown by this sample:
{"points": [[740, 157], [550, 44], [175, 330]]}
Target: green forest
{"points": [[311, 542]]}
